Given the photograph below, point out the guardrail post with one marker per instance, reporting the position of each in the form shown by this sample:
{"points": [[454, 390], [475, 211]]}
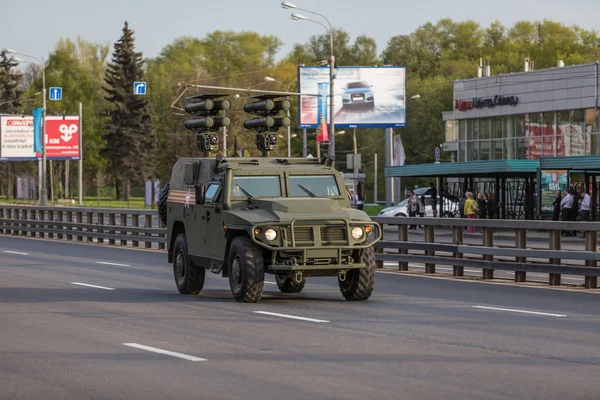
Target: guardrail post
{"points": [[521, 243], [11, 224], [149, 226], [488, 241], [51, 225], [430, 238], [161, 245], [42, 225], [24, 225], [60, 215], [554, 279], [135, 223], [2, 230], [69, 221], [111, 222], [100, 229], [124, 231], [591, 243], [79, 229], [90, 221], [459, 240], [403, 236], [33, 220]]}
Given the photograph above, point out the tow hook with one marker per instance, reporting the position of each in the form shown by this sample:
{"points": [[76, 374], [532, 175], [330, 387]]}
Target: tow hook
{"points": [[342, 275], [298, 276]]}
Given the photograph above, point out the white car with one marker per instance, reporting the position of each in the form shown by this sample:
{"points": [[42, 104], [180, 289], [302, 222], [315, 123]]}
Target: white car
{"points": [[401, 209]]}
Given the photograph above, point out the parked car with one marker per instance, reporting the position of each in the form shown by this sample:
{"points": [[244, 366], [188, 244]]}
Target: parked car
{"points": [[358, 93], [451, 206]]}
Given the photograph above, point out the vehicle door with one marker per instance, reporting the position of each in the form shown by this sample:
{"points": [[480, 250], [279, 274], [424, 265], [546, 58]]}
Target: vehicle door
{"points": [[212, 220]]}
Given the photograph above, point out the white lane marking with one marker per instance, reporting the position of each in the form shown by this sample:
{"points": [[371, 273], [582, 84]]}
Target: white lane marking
{"points": [[110, 263], [16, 252], [165, 352], [271, 283], [92, 286], [290, 316], [520, 311]]}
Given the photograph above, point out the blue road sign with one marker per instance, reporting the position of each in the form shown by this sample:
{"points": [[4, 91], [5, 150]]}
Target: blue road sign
{"points": [[139, 88], [55, 93], [437, 154]]}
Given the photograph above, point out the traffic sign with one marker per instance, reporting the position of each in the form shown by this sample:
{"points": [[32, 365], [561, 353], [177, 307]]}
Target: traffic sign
{"points": [[55, 93], [139, 88], [437, 154]]}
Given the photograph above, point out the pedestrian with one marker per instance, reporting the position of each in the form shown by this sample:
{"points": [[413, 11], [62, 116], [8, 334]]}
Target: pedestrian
{"points": [[413, 207], [360, 204], [433, 199], [492, 206], [557, 201], [586, 200], [575, 207], [482, 204], [566, 206], [471, 210]]}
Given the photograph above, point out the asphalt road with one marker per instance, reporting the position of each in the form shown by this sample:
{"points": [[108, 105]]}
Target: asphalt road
{"points": [[416, 338]]}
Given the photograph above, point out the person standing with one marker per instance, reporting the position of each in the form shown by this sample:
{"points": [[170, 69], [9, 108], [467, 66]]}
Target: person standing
{"points": [[566, 206], [471, 210], [586, 201], [433, 199], [575, 207], [413, 207], [482, 204], [360, 204], [557, 201], [492, 206]]}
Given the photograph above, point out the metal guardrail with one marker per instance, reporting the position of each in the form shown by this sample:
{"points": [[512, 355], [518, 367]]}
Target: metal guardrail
{"points": [[112, 226], [489, 257]]}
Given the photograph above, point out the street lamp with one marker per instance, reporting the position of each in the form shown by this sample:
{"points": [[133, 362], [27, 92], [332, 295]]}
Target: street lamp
{"points": [[297, 17], [287, 89], [42, 64]]}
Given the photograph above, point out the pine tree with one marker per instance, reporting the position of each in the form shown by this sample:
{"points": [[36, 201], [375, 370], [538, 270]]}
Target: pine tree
{"points": [[129, 137], [10, 84]]}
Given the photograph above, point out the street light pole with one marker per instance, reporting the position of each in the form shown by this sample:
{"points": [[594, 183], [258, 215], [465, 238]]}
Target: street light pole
{"points": [[297, 17], [43, 190], [289, 134]]}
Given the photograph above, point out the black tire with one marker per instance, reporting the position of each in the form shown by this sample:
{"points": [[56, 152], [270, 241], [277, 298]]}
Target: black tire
{"points": [[246, 270], [287, 284], [162, 203], [359, 283], [189, 278]]}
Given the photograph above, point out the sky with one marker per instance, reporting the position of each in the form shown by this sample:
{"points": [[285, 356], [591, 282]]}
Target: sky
{"points": [[35, 26]]}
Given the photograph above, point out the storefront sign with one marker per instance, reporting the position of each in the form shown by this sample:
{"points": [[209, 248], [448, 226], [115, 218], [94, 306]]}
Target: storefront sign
{"points": [[490, 102], [551, 181]]}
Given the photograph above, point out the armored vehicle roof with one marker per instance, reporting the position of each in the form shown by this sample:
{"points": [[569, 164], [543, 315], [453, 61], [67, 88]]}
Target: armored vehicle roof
{"points": [[261, 162]]}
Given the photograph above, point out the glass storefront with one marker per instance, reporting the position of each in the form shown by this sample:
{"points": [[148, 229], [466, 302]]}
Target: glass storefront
{"points": [[528, 136]]}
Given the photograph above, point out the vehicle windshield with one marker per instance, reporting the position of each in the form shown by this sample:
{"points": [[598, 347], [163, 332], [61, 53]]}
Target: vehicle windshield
{"points": [[255, 186], [403, 203], [358, 85], [313, 186]]}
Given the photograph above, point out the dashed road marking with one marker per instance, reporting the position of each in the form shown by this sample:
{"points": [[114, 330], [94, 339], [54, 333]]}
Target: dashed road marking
{"points": [[520, 311], [111, 263], [16, 252], [165, 352], [291, 317], [92, 286]]}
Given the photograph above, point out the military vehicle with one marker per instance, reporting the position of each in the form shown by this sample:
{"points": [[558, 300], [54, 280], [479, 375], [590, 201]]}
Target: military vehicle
{"points": [[247, 217]]}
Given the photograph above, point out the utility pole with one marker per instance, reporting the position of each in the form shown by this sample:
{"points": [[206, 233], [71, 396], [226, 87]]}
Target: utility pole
{"points": [[389, 157], [354, 166], [80, 166], [304, 146]]}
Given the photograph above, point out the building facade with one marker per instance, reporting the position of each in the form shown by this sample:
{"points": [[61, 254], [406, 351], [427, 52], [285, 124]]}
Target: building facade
{"points": [[527, 115]]}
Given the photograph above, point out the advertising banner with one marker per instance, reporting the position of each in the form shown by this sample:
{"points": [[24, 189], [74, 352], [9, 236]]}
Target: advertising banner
{"points": [[17, 138], [322, 128], [551, 181], [550, 141], [364, 97]]}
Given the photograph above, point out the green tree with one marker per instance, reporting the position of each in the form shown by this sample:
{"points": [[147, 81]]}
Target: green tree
{"points": [[11, 87], [129, 138]]}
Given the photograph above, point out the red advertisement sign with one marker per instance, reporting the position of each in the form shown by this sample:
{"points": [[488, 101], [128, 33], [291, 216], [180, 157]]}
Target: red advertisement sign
{"points": [[63, 137]]}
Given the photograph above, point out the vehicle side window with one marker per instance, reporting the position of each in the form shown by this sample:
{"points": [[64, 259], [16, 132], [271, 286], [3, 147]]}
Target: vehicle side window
{"points": [[211, 195]]}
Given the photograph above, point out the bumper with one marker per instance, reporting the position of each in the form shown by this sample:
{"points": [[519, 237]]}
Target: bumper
{"points": [[347, 101]]}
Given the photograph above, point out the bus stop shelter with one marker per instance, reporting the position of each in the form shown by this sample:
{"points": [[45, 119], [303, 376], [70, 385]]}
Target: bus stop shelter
{"points": [[499, 175]]}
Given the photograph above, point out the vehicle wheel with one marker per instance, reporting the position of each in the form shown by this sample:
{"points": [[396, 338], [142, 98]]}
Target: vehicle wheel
{"points": [[246, 270], [162, 203], [188, 277], [287, 284], [400, 215], [359, 283]]}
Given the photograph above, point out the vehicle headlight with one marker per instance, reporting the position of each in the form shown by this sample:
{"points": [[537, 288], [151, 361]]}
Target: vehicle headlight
{"points": [[357, 233], [270, 234]]}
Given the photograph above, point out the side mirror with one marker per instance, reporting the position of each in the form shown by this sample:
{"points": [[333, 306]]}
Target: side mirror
{"points": [[218, 208], [199, 191]]}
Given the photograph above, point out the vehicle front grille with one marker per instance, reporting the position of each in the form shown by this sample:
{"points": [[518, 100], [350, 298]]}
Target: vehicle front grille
{"points": [[302, 235], [336, 234]]}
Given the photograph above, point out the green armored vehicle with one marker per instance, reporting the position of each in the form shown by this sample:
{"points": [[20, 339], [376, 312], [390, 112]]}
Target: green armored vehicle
{"points": [[245, 217]]}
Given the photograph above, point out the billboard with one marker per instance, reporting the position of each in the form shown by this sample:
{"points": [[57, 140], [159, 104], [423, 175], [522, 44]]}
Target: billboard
{"points": [[364, 97], [17, 139], [551, 181]]}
